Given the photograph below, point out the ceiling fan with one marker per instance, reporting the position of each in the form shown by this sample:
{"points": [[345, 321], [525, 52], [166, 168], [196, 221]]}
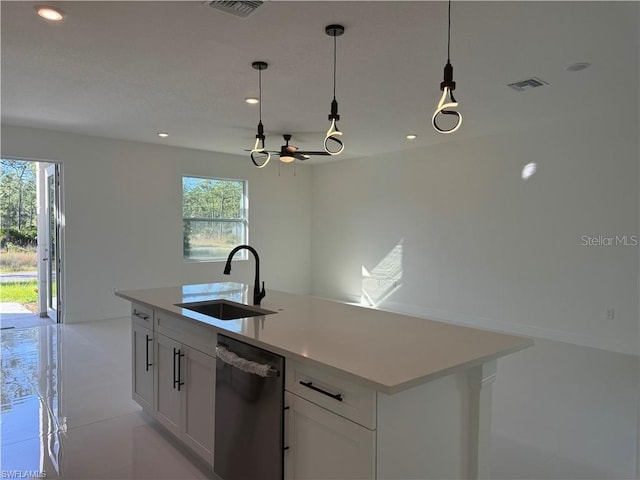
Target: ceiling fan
{"points": [[289, 153]]}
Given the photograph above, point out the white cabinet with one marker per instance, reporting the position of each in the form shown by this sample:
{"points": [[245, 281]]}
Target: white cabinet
{"points": [[340, 429], [142, 368], [198, 402], [168, 361], [142, 372], [324, 445], [185, 392], [172, 380], [330, 426]]}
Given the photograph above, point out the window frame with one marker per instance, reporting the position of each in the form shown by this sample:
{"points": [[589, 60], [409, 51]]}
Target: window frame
{"points": [[243, 221]]}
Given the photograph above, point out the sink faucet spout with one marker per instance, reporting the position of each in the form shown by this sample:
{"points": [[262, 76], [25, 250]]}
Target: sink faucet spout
{"points": [[258, 294]]}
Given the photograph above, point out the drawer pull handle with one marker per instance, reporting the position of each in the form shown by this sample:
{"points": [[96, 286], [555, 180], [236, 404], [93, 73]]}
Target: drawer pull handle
{"points": [[141, 315], [335, 396]]}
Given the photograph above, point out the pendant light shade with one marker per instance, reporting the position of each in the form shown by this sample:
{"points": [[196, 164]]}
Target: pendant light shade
{"points": [[447, 102], [259, 156], [333, 144]]}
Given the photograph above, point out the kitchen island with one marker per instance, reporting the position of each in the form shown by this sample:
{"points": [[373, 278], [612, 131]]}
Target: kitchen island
{"points": [[415, 394]]}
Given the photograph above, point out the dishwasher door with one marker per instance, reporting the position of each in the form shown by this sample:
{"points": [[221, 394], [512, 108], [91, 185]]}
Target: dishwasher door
{"points": [[249, 425]]}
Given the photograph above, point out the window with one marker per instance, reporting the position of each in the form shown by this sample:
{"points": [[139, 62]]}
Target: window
{"points": [[215, 217]]}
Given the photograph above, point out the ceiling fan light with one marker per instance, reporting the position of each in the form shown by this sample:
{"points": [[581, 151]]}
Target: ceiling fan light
{"points": [[286, 159]]}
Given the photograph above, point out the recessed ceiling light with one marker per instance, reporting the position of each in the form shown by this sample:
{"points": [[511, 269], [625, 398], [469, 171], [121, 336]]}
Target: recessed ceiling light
{"points": [[50, 13], [576, 67], [251, 100], [163, 134], [411, 136]]}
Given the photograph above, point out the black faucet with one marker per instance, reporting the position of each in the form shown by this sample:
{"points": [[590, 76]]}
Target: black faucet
{"points": [[257, 293]]}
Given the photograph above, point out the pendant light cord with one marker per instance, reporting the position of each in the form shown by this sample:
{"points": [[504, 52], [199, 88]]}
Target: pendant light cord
{"points": [[260, 94], [449, 35], [334, 66]]}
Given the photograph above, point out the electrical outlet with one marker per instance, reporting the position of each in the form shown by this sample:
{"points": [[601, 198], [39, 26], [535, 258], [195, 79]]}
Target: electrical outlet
{"points": [[610, 314]]}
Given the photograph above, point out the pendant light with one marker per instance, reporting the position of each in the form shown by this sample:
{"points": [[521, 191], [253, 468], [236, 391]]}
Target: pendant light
{"points": [[445, 105], [333, 145], [259, 156]]}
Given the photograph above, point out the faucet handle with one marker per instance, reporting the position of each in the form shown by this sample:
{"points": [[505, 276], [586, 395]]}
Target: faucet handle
{"points": [[258, 296]]}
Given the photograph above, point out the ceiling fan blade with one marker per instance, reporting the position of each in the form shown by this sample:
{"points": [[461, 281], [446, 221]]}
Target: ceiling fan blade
{"points": [[300, 156], [304, 152]]}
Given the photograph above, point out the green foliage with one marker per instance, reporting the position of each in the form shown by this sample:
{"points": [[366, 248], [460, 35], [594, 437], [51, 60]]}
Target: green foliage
{"points": [[186, 242], [212, 198], [17, 194], [19, 292], [214, 213], [28, 237]]}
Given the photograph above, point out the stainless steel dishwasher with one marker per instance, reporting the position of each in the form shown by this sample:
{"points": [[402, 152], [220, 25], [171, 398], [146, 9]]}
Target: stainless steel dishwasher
{"points": [[249, 416]]}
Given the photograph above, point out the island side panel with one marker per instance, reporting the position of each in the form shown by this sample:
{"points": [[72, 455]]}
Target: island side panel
{"points": [[423, 432]]}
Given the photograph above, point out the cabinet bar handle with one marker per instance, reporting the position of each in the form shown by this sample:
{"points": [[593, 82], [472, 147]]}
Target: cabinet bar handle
{"points": [[180, 382], [140, 315], [335, 396], [175, 352], [147, 352]]}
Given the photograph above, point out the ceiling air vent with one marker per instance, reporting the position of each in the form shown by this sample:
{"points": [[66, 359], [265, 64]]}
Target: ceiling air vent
{"points": [[239, 9], [523, 85]]}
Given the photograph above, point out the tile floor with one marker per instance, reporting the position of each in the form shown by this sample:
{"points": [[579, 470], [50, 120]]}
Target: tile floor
{"points": [[14, 315], [67, 411]]}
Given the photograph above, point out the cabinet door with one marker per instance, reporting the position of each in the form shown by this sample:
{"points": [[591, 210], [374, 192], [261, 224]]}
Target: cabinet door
{"points": [[327, 446], [142, 366], [168, 367], [198, 401]]}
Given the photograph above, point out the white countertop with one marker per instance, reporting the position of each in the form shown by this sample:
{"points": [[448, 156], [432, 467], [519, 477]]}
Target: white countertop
{"points": [[386, 351]]}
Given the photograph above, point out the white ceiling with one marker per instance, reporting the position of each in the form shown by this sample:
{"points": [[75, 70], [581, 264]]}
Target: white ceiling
{"points": [[128, 70]]}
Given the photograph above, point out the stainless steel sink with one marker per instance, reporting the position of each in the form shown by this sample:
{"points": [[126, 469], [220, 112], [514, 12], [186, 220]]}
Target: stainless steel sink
{"points": [[224, 309]]}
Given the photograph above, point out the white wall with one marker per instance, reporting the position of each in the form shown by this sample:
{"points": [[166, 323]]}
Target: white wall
{"points": [[124, 217], [453, 232], [481, 246]]}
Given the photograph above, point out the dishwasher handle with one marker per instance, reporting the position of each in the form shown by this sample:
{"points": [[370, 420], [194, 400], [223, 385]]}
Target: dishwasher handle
{"points": [[249, 366]]}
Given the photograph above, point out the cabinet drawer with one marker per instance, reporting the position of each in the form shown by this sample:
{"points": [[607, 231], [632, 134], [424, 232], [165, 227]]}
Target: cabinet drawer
{"points": [[142, 315], [334, 392], [190, 332]]}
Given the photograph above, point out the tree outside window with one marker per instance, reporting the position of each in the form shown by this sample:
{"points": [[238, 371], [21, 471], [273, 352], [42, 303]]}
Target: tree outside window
{"points": [[215, 217]]}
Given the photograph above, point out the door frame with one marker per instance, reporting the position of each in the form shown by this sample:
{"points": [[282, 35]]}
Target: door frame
{"points": [[56, 313]]}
